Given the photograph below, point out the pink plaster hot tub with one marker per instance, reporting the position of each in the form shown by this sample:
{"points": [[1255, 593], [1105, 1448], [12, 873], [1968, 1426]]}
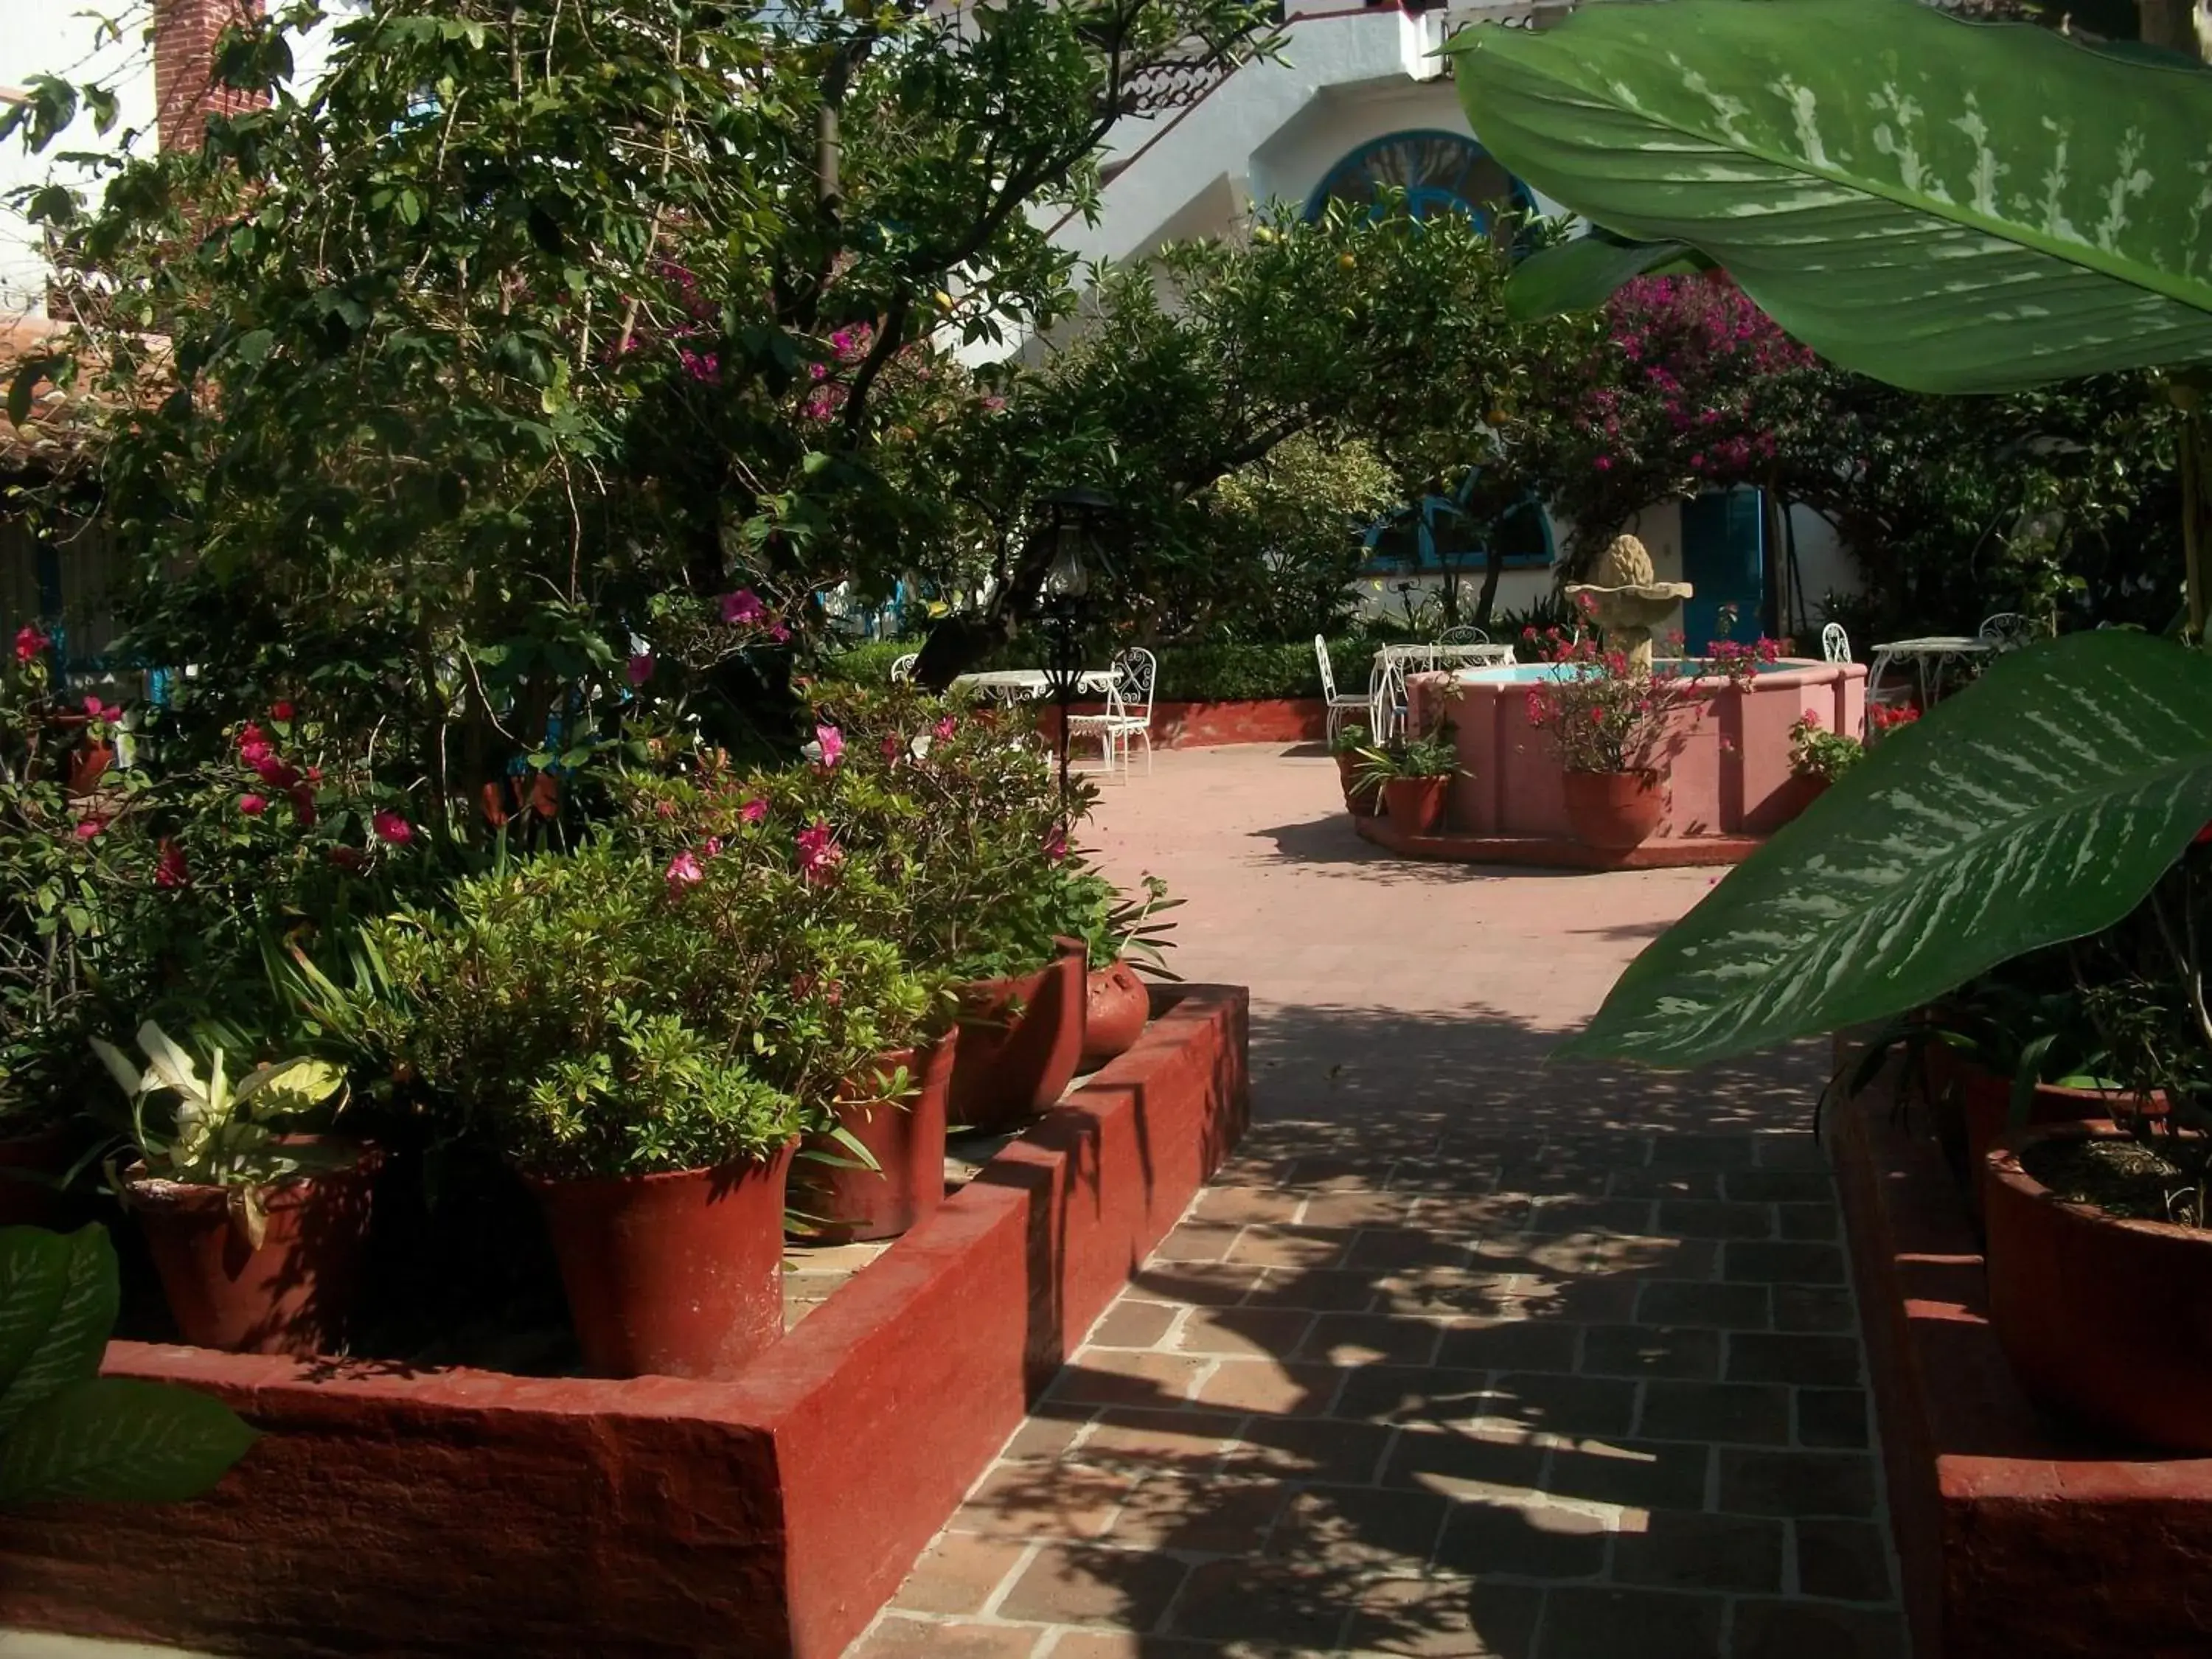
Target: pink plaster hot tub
{"points": [[1728, 773]]}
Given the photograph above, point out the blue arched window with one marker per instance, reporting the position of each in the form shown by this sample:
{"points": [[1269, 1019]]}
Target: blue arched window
{"points": [[1438, 171], [1439, 533]]}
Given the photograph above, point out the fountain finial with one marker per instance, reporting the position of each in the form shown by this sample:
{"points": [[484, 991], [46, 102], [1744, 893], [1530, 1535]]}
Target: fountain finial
{"points": [[1627, 601]]}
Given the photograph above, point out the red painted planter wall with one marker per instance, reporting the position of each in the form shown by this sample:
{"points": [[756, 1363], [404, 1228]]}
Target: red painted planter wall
{"points": [[1210, 724], [461, 1512], [2017, 1536]]}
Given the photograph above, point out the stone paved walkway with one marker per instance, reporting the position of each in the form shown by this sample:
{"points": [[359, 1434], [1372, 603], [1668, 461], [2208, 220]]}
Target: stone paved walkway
{"points": [[1464, 1354]]}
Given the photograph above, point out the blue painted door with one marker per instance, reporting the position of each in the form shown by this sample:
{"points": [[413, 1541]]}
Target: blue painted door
{"points": [[1725, 559]]}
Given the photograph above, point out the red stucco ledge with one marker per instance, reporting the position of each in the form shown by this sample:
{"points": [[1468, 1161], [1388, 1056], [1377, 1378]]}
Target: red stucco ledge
{"points": [[2019, 1539], [1561, 852], [1212, 724], [461, 1512]]}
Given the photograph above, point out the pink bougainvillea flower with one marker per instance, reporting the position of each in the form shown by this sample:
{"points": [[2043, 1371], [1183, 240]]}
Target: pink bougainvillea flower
{"points": [[743, 607], [170, 868], [830, 745], [391, 828], [253, 806], [713, 846], [29, 642], [779, 633], [87, 828], [684, 870], [1055, 844], [817, 854], [277, 774], [893, 749], [1604, 464], [945, 728], [753, 810], [640, 668], [280, 711], [98, 710]]}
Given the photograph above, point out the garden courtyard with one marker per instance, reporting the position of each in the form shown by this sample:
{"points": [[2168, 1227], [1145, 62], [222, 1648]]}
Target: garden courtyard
{"points": [[1462, 1353]]}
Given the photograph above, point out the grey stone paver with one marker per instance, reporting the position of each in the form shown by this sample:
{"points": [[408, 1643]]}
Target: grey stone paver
{"points": [[1462, 1354]]}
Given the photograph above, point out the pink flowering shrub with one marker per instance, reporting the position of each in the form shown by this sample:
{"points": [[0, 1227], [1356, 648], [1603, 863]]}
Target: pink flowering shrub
{"points": [[1602, 716]]}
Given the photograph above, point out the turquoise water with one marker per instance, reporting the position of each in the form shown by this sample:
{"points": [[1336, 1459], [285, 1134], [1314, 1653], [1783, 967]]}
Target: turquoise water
{"points": [[1540, 673]]}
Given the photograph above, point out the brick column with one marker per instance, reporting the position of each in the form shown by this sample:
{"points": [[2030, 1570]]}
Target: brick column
{"points": [[184, 92]]}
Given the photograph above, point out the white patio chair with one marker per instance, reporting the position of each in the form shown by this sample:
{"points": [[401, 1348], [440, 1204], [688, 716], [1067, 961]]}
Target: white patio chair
{"points": [[1102, 729], [903, 667], [1386, 697], [2008, 631], [1340, 704], [1835, 643], [1128, 716], [1465, 634]]}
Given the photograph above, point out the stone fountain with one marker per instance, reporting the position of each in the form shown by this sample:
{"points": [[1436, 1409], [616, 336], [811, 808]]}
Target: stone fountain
{"points": [[1625, 602]]}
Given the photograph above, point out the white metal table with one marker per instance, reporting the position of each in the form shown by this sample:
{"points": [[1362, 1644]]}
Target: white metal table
{"points": [[1927, 658], [1024, 684]]}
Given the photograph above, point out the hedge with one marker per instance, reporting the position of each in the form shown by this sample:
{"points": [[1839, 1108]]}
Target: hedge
{"points": [[1188, 673]]}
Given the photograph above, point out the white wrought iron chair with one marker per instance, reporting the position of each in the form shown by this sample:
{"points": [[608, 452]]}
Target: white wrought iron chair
{"points": [[2008, 631], [1465, 634], [1340, 703], [1128, 716], [1100, 728], [1835, 643], [903, 667], [1386, 697]]}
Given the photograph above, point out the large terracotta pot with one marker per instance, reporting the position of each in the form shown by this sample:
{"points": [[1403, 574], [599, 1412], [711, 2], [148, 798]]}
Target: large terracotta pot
{"points": [[1618, 810], [1361, 801], [2104, 1320], [1984, 1100], [28, 1165], [841, 1203], [291, 1295], [672, 1275], [1117, 1006], [1416, 805], [1021, 1040]]}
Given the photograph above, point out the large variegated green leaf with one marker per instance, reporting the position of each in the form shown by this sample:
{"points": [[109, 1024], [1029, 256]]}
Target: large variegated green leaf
{"points": [[1949, 206], [119, 1441], [2037, 806], [58, 1298]]}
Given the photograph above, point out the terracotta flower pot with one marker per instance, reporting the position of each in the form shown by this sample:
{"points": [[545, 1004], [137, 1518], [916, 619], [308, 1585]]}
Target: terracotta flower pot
{"points": [[292, 1295], [1021, 1040], [1618, 810], [2104, 1320], [1118, 1005], [1416, 805], [1986, 1107], [841, 1203], [1794, 797], [672, 1275], [1362, 801]]}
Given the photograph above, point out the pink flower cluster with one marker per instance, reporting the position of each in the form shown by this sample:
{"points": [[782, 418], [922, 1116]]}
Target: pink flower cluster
{"points": [[29, 643], [746, 608], [256, 752]]}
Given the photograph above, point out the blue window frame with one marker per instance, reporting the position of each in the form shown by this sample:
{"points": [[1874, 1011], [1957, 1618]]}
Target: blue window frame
{"points": [[1438, 171]]}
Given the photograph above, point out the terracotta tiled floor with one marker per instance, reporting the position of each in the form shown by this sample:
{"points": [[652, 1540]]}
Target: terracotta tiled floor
{"points": [[1464, 1354]]}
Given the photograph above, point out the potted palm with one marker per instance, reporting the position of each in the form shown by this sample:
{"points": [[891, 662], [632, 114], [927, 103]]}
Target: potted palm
{"points": [[1414, 777], [256, 1217]]}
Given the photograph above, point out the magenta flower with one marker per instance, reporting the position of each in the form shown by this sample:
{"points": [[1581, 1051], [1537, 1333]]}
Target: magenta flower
{"points": [[743, 607], [170, 870], [253, 806], [1055, 844], [29, 642], [1604, 464], [273, 772], [945, 728], [893, 749], [713, 846], [817, 855], [779, 633], [393, 828], [684, 870], [87, 828], [280, 711], [830, 742], [753, 810], [640, 668], [95, 709]]}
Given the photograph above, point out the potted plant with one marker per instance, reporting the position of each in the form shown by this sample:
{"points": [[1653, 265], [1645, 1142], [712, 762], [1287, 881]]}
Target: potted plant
{"points": [[1819, 757], [636, 1037], [1613, 725], [1122, 934], [256, 1219], [1350, 745], [1414, 778], [875, 1168]]}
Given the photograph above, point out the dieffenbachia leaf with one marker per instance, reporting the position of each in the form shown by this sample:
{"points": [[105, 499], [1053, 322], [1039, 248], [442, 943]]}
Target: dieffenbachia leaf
{"points": [[1581, 275], [119, 1441], [1948, 206], [59, 1298], [2039, 804]]}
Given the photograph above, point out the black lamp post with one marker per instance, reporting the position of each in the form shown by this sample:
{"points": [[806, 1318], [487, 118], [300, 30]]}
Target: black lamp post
{"points": [[1075, 525]]}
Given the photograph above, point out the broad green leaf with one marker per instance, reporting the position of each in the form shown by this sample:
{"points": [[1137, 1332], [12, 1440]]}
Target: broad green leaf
{"points": [[1945, 205], [1579, 275], [2037, 806], [120, 1441], [291, 1085], [58, 1296]]}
